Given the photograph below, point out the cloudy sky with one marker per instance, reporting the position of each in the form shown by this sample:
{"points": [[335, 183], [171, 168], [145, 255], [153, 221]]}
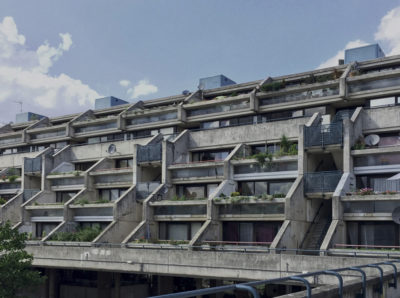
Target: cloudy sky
{"points": [[58, 56]]}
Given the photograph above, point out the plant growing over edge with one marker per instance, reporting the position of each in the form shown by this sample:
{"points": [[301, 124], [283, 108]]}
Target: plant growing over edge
{"points": [[82, 201], [2, 201], [16, 270], [359, 144], [12, 178], [365, 191], [263, 159]]}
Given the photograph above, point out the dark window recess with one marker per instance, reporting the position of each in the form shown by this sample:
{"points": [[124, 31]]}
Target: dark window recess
{"points": [[178, 231], [373, 233], [250, 231], [256, 188], [210, 155], [196, 191], [124, 163], [64, 196], [111, 194], [84, 166]]}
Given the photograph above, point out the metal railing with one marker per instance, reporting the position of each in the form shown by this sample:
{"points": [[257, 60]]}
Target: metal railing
{"points": [[250, 287], [321, 182], [33, 165], [322, 135], [149, 153]]}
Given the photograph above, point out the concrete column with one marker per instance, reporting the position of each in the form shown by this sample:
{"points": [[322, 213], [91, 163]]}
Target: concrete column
{"points": [[53, 283], [302, 154], [347, 135], [216, 283], [104, 283], [165, 285], [117, 285]]}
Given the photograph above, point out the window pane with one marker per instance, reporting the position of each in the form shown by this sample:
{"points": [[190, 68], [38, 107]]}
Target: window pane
{"points": [[114, 194], [279, 187], [247, 188], [382, 102], [246, 232], [195, 227], [177, 231], [194, 192], [261, 187]]}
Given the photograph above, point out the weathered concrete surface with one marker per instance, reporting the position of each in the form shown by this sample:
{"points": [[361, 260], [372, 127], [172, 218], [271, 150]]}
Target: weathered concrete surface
{"points": [[210, 264]]}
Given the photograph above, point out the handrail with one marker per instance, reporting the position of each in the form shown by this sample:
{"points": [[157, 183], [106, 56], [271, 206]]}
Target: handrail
{"points": [[367, 246], [311, 224], [236, 242]]}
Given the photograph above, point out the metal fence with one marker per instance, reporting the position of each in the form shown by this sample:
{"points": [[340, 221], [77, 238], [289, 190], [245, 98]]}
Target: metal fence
{"points": [[322, 135], [321, 181], [383, 185], [149, 153], [33, 165]]}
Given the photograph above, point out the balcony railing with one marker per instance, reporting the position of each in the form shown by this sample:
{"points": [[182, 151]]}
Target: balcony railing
{"points": [[322, 135], [180, 210], [149, 153], [370, 206], [239, 209], [309, 94], [376, 84], [321, 182], [33, 165], [219, 109], [377, 160], [198, 172]]}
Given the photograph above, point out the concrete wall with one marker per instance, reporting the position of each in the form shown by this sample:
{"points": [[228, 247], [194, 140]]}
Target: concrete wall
{"points": [[210, 264], [15, 160], [377, 118], [246, 133]]}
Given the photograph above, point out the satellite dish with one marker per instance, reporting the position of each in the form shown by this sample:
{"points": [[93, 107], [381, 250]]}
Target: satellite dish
{"points": [[112, 149], [396, 215], [372, 140]]}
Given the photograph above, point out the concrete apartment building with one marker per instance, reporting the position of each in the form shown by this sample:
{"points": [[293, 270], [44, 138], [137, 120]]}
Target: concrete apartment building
{"points": [[268, 165]]}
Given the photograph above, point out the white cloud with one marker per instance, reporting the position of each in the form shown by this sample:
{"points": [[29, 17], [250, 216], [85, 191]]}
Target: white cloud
{"points": [[24, 75], [143, 87], [333, 61], [389, 31], [387, 34], [124, 83]]}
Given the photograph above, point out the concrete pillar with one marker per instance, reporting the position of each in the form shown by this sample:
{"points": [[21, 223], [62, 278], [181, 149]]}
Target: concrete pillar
{"points": [[199, 285], [53, 282], [117, 285], [165, 285], [104, 283], [216, 283]]}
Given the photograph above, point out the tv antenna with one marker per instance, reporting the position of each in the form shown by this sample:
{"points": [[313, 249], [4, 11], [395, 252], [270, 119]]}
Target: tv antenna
{"points": [[20, 104]]}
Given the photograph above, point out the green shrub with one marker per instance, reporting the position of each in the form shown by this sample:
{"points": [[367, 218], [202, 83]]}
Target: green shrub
{"points": [[82, 201], [2, 201], [278, 195], [12, 178], [86, 234], [235, 194], [263, 159], [273, 86]]}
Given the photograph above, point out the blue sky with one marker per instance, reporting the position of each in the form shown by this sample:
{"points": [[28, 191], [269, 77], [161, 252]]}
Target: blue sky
{"points": [[159, 48]]}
